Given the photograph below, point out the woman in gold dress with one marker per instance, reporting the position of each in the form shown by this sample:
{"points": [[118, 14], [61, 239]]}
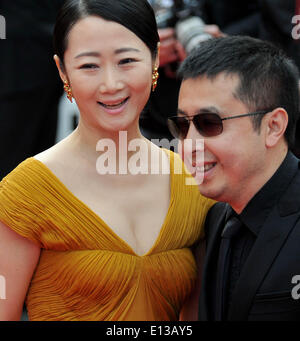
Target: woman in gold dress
{"points": [[83, 239]]}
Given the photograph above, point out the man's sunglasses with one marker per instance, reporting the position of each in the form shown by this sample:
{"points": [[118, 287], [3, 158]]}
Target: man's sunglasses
{"points": [[207, 124]]}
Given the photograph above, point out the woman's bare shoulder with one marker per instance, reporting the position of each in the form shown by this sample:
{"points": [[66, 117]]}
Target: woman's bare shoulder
{"points": [[57, 156]]}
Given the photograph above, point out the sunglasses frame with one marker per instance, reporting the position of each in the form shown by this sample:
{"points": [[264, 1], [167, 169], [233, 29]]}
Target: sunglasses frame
{"points": [[172, 121]]}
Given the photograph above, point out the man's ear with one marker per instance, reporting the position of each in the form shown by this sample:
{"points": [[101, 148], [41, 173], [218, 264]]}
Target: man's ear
{"points": [[277, 121], [60, 68]]}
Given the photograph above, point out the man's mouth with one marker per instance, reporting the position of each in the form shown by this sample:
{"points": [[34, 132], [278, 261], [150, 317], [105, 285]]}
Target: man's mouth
{"points": [[205, 168]]}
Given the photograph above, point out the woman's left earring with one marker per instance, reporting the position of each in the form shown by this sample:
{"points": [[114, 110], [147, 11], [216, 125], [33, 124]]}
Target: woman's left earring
{"points": [[68, 91], [155, 76]]}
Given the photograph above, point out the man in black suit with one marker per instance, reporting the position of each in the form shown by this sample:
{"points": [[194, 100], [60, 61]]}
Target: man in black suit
{"points": [[30, 87], [241, 96]]}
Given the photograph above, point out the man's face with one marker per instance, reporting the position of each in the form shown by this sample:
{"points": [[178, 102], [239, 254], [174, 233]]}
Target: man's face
{"points": [[234, 160]]}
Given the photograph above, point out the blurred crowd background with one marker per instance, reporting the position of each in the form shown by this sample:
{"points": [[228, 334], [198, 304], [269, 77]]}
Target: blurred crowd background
{"points": [[34, 113]]}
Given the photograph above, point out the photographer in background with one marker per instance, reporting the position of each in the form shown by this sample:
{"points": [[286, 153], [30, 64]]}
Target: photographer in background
{"points": [[183, 25], [276, 26], [163, 102], [269, 20], [233, 17]]}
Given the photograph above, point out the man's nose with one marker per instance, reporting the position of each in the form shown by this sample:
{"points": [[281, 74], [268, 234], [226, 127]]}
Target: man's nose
{"points": [[193, 133], [194, 141]]}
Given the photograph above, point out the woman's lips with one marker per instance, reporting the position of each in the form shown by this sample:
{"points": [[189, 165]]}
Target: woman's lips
{"points": [[114, 108]]}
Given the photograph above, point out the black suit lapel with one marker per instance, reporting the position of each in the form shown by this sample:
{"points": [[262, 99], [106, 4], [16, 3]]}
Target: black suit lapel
{"points": [[266, 248], [214, 226], [273, 234]]}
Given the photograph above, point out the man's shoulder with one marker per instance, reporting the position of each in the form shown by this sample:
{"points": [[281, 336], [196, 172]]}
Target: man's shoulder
{"points": [[290, 201]]}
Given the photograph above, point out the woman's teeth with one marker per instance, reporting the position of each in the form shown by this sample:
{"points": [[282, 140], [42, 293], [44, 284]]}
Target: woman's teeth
{"points": [[113, 106]]}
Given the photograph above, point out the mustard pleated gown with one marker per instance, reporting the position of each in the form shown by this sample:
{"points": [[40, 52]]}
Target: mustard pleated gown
{"points": [[86, 272]]}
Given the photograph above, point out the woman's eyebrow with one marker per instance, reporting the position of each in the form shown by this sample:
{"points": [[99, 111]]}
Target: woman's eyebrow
{"points": [[88, 54], [97, 54], [126, 49]]}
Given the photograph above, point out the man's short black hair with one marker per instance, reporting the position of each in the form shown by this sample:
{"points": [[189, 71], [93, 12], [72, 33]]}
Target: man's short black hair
{"points": [[268, 78]]}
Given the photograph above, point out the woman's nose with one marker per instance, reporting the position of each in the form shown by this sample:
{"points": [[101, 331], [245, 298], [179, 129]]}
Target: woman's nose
{"points": [[111, 81]]}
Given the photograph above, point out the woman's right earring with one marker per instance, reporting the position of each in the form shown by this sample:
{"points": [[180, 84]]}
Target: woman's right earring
{"points": [[68, 91]]}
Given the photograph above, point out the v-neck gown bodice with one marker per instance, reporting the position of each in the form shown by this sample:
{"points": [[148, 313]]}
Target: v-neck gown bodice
{"points": [[85, 271]]}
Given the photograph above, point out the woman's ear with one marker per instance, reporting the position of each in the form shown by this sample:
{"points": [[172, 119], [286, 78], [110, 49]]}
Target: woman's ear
{"points": [[277, 122], [156, 63], [60, 68]]}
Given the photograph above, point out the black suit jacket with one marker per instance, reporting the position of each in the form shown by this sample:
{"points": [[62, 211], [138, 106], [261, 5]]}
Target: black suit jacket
{"points": [[264, 289]]}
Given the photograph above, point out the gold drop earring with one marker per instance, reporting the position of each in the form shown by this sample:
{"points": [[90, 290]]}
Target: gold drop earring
{"points": [[155, 76], [68, 91]]}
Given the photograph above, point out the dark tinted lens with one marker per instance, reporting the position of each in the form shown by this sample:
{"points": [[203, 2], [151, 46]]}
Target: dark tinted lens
{"points": [[178, 127], [208, 124]]}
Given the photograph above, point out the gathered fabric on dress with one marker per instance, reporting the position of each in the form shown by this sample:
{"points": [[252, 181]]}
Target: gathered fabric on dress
{"points": [[86, 271]]}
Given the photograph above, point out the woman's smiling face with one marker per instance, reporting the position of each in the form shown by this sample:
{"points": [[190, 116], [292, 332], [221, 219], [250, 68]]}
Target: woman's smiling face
{"points": [[109, 70]]}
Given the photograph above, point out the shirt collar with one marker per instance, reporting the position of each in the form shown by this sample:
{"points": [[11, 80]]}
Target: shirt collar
{"points": [[258, 208]]}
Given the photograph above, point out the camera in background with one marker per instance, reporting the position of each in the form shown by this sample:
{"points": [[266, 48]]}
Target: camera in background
{"points": [[185, 17]]}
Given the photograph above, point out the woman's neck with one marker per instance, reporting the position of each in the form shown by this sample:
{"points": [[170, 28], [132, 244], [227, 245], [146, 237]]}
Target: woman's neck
{"points": [[90, 144]]}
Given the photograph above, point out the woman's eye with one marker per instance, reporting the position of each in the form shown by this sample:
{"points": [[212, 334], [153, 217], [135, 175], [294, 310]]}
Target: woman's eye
{"points": [[127, 61], [88, 66]]}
